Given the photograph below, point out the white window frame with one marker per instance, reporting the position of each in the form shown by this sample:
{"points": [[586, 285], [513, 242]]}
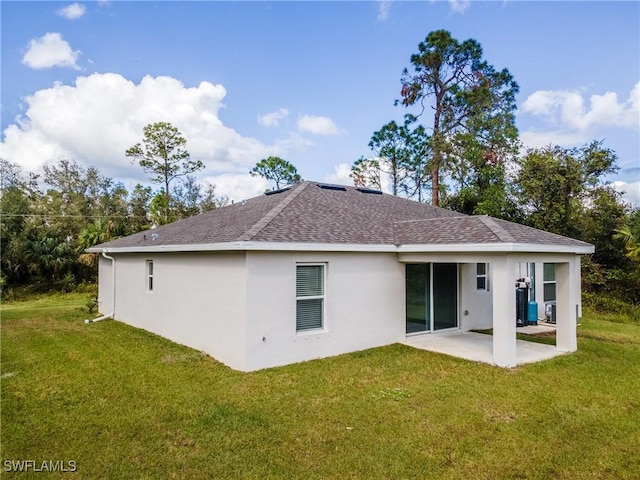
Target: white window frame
{"points": [[313, 297], [549, 282], [149, 275], [484, 276]]}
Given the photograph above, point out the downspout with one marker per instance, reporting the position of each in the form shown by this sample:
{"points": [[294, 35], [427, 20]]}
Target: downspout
{"points": [[113, 288]]}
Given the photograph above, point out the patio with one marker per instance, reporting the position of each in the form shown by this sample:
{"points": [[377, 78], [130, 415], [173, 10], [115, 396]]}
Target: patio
{"points": [[478, 347]]}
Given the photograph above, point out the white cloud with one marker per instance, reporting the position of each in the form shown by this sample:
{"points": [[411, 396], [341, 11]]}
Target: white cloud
{"points": [[384, 6], [340, 175], [272, 119], [317, 124], [238, 186], [459, 6], [631, 191], [568, 108], [95, 120], [567, 119], [50, 50], [72, 11]]}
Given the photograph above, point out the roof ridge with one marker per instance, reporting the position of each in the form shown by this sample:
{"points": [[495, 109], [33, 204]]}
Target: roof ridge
{"points": [[496, 229], [273, 213]]}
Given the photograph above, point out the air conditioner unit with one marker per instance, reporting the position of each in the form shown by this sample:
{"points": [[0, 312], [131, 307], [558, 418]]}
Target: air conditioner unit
{"points": [[550, 312]]}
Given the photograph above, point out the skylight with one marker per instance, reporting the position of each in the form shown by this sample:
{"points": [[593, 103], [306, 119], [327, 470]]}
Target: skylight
{"points": [[329, 186], [274, 192], [369, 190]]}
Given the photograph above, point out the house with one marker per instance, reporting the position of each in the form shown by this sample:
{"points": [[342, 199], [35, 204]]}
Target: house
{"points": [[316, 270]]}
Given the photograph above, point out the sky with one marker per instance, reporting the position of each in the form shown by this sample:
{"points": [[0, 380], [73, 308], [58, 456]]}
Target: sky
{"points": [[306, 81]]}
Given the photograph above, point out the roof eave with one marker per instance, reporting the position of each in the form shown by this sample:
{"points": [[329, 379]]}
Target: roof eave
{"points": [[251, 246], [498, 247], [353, 247]]}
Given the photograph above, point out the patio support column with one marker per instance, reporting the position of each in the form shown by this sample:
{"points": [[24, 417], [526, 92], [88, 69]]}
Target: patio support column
{"points": [[503, 274], [566, 307]]}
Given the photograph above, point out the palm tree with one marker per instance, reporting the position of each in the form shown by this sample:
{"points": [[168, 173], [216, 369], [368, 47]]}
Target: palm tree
{"points": [[95, 233], [631, 238], [48, 258]]}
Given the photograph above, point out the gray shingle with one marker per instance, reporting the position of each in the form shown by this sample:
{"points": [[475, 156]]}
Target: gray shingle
{"points": [[308, 213]]}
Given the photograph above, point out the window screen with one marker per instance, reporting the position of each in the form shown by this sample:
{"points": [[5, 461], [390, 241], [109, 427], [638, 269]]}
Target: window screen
{"points": [[309, 297], [150, 275], [549, 282], [481, 276]]}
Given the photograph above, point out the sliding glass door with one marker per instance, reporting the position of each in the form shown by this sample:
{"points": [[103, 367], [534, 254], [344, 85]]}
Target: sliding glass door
{"points": [[431, 296], [445, 295], [418, 285]]}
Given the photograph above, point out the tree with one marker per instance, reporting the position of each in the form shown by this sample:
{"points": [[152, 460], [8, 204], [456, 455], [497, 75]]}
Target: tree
{"points": [[17, 198], [556, 185], [390, 145], [211, 201], [277, 170], [401, 155], [138, 208], [419, 160], [163, 155], [186, 198], [160, 212], [365, 172], [95, 233], [629, 233], [465, 93]]}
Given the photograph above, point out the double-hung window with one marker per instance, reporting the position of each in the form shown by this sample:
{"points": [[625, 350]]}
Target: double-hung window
{"points": [[149, 275], [482, 280], [549, 281], [309, 297]]}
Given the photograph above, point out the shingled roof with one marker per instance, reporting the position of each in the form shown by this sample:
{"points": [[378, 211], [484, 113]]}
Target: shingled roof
{"points": [[475, 229], [316, 213]]}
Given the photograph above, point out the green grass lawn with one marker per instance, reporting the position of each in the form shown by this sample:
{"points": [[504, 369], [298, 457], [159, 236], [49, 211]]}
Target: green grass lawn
{"points": [[123, 403]]}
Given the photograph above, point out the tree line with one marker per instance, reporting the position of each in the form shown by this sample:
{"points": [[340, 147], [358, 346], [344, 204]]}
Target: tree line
{"points": [[47, 223], [457, 147]]}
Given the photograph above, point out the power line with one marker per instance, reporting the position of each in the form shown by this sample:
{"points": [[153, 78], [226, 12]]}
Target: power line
{"points": [[51, 215]]}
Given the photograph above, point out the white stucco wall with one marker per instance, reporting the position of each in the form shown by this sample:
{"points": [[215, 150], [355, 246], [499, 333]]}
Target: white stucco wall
{"points": [[105, 286], [364, 306], [476, 308], [240, 308], [198, 300]]}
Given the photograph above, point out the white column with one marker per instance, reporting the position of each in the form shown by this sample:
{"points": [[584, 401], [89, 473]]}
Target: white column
{"points": [[577, 283], [504, 311], [566, 306], [540, 288]]}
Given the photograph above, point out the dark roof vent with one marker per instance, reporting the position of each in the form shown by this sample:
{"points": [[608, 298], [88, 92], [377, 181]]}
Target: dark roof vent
{"points": [[274, 192], [329, 186], [369, 190]]}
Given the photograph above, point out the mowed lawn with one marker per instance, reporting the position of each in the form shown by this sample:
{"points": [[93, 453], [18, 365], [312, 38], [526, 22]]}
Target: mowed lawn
{"points": [[123, 403]]}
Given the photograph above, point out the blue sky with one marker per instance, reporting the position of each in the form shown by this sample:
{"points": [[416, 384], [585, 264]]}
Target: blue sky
{"points": [[307, 81]]}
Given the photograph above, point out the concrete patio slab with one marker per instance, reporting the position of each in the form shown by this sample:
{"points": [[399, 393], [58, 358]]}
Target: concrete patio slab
{"points": [[478, 347], [537, 329]]}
